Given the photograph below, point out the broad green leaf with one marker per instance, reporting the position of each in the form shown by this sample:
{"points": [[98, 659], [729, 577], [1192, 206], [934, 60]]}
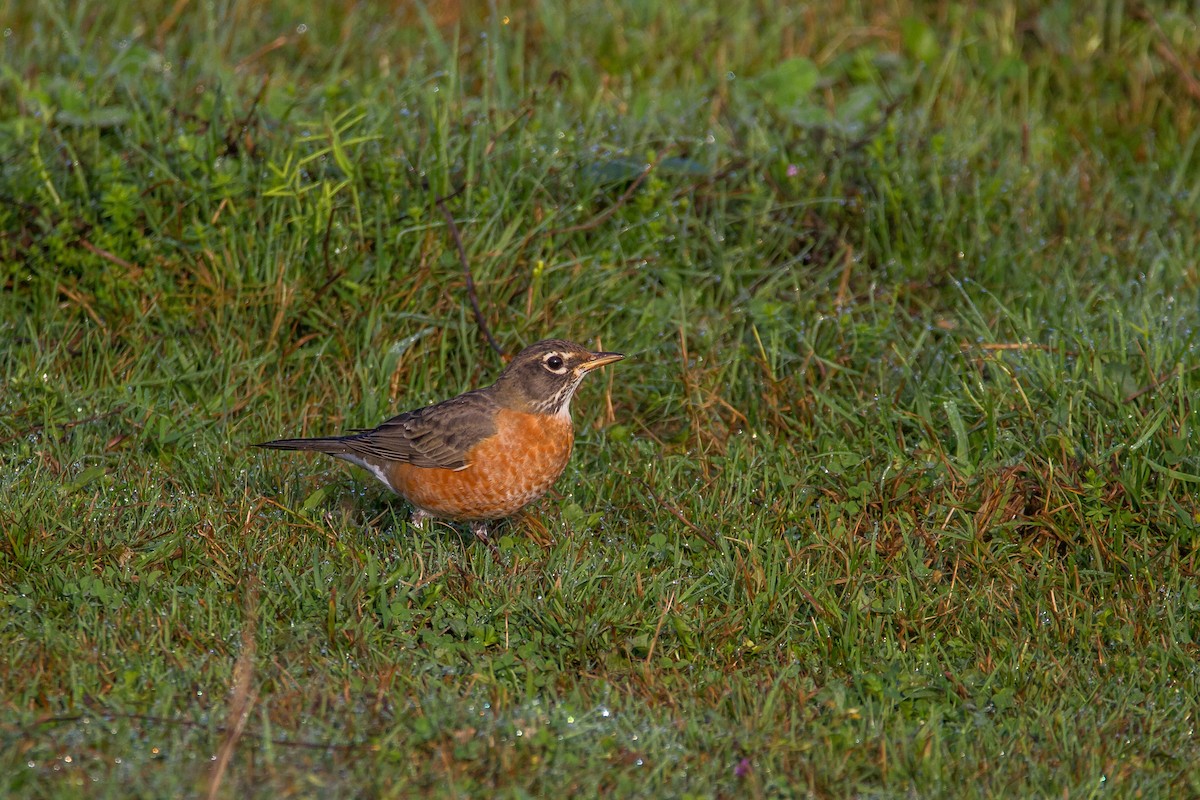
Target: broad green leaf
{"points": [[788, 83]]}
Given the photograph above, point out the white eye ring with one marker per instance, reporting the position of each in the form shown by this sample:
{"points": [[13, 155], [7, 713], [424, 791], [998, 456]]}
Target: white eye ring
{"points": [[554, 363]]}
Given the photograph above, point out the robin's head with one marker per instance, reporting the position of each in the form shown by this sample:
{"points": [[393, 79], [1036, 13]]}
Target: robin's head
{"points": [[543, 377]]}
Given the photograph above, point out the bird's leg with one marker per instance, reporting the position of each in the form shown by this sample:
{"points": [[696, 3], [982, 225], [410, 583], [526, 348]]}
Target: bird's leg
{"points": [[419, 515], [479, 528]]}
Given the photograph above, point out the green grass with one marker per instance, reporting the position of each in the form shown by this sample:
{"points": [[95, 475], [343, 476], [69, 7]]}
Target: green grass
{"points": [[909, 295]]}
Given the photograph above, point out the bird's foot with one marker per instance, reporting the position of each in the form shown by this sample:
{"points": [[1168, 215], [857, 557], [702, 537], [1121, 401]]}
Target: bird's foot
{"points": [[479, 528], [417, 520]]}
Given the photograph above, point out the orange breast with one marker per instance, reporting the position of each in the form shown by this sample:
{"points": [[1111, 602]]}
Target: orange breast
{"points": [[509, 469]]}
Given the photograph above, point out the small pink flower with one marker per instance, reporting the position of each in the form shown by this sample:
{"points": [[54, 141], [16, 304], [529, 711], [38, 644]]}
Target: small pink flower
{"points": [[792, 170]]}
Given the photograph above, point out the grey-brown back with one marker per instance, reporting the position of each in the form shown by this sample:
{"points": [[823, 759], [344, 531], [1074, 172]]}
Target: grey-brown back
{"points": [[438, 436]]}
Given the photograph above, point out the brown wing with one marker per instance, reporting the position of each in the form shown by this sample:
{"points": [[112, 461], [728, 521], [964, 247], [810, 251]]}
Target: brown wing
{"points": [[437, 436]]}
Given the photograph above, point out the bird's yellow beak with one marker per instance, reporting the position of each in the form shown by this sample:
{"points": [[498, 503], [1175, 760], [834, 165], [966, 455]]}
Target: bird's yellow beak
{"points": [[599, 360]]}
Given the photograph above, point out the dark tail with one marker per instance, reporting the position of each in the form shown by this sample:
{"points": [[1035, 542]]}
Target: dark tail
{"points": [[332, 445]]}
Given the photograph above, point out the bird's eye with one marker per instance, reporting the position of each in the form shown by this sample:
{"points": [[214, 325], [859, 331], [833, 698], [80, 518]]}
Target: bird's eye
{"points": [[554, 362]]}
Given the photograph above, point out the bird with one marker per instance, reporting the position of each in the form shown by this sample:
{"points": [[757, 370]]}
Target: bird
{"points": [[480, 456]]}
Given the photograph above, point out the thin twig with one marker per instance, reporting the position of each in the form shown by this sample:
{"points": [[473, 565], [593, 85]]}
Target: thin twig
{"points": [[995, 346], [334, 275], [533, 233], [1157, 382], [244, 691], [325, 240], [67, 719], [603, 216], [64, 426], [812, 601], [523, 112], [662, 618], [843, 292], [869, 134], [1162, 45], [675, 512], [274, 44], [231, 139], [107, 256], [164, 27], [1166, 51], [29, 208], [470, 279]]}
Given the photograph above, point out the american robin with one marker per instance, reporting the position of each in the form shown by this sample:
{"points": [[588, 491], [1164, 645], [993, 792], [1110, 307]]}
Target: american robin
{"points": [[484, 454]]}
